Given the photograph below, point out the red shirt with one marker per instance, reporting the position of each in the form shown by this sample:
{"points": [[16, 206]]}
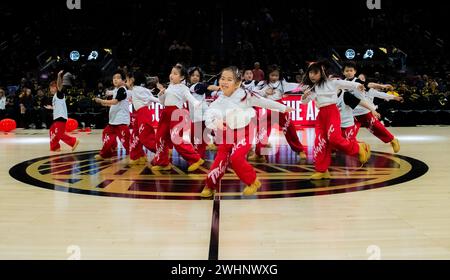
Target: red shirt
{"points": [[258, 75]]}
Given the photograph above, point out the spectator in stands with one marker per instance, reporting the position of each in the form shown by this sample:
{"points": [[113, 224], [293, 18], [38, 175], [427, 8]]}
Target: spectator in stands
{"points": [[174, 52], [175, 46], [2, 104], [100, 91], [40, 113], [298, 78], [10, 107], [34, 85], [26, 108], [23, 84], [258, 74], [185, 53]]}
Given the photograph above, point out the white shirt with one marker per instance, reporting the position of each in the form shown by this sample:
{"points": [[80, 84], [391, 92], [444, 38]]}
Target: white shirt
{"points": [[141, 97], [177, 95], [197, 113], [59, 107], [249, 85], [346, 112], [119, 113], [326, 94], [235, 112], [217, 93], [2, 103], [253, 86], [279, 88], [369, 97]]}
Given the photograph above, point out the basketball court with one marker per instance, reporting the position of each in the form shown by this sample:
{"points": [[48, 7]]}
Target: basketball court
{"points": [[68, 205]]}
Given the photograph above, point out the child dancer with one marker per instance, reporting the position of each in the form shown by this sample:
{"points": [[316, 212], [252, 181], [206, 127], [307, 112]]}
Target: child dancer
{"points": [[119, 118], [230, 116], [364, 117], [248, 83], [170, 129], [143, 133], [58, 129], [328, 135], [274, 90], [198, 89], [251, 85], [346, 103]]}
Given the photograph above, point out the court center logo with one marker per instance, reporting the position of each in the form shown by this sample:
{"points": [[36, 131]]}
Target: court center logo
{"points": [[81, 173]]}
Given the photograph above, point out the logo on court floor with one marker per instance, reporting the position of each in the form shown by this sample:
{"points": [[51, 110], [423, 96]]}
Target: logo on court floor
{"points": [[282, 177]]}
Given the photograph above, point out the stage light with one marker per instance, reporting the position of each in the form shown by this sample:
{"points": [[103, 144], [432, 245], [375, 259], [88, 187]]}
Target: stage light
{"points": [[74, 55], [369, 54], [383, 50], [93, 55], [350, 54], [109, 51]]}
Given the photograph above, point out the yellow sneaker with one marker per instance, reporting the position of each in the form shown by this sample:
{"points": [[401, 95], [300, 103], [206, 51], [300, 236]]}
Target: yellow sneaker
{"points": [[302, 155], [98, 157], [257, 158], [196, 165], [142, 160], [250, 154], [207, 192], [211, 147], [161, 167], [395, 145], [134, 161], [320, 175], [364, 152], [253, 188], [75, 145]]}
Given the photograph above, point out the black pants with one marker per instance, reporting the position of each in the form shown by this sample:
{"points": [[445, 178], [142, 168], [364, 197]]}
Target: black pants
{"points": [[40, 116]]}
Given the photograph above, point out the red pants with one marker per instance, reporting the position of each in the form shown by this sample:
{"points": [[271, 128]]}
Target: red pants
{"points": [[171, 131], [329, 136], [374, 126], [170, 143], [285, 123], [58, 133], [236, 155], [143, 134], [110, 133], [136, 147], [198, 129], [350, 132]]}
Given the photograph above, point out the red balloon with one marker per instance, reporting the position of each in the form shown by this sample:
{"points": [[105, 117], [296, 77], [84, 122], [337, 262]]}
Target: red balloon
{"points": [[8, 125], [71, 125]]}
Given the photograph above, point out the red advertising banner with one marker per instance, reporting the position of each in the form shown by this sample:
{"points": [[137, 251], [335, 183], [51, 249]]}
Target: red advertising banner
{"points": [[304, 114]]}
